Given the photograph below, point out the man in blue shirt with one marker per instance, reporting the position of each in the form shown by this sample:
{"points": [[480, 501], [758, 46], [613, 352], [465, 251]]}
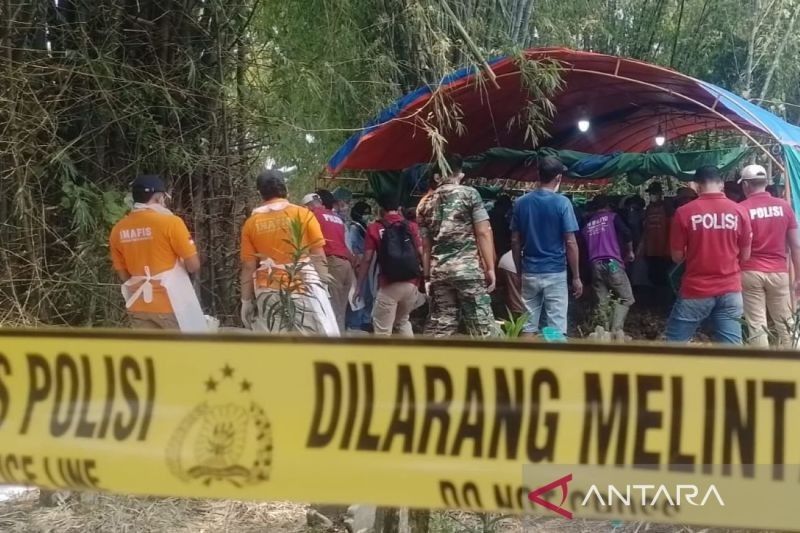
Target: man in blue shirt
{"points": [[543, 242]]}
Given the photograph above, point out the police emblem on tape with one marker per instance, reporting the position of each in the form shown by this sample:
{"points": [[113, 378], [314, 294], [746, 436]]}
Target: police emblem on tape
{"points": [[227, 438]]}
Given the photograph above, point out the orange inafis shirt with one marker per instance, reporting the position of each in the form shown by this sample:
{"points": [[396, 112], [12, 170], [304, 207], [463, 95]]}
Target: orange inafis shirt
{"points": [[145, 238], [268, 235]]}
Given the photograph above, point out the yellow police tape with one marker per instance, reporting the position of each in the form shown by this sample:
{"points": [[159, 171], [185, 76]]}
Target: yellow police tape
{"points": [[420, 424]]}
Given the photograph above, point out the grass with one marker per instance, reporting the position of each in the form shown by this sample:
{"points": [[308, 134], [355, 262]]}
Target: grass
{"points": [[126, 514], [286, 309], [513, 327]]}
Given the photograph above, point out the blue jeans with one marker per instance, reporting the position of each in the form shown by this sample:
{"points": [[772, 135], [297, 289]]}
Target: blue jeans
{"points": [[548, 291], [724, 314]]}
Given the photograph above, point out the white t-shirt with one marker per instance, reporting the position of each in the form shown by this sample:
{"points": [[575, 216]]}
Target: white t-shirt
{"points": [[507, 262]]}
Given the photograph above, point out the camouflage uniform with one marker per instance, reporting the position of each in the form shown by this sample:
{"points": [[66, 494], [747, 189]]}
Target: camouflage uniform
{"points": [[458, 288]]}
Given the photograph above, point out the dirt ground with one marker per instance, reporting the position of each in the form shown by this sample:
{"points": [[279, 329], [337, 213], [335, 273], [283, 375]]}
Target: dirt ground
{"points": [[646, 320], [121, 514]]}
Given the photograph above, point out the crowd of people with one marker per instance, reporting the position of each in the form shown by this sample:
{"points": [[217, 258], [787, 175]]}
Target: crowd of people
{"points": [[327, 267]]}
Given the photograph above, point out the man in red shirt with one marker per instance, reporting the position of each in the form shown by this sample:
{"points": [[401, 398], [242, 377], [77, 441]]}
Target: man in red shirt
{"points": [[765, 276], [654, 246], [712, 234], [338, 256], [398, 292]]}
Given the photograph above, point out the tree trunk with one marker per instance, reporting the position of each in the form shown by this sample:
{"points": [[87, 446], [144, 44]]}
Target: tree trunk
{"points": [[523, 37], [751, 52], [677, 35], [776, 58]]}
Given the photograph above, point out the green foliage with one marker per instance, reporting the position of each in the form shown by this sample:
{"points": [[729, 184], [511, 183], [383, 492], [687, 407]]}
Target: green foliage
{"points": [[204, 92], [93, 212], [332, 72], [542, 79], [621, 186], [792, 327], [336, 63], [467, 523], [94, 93], [731, 43], [513, 327]]}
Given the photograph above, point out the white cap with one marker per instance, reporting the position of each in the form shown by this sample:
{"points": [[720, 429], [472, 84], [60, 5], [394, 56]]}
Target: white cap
{"points": [[310, 197], [753, 172]]}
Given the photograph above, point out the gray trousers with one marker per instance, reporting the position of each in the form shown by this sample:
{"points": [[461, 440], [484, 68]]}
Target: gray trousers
{"points": [[341, 273], [609, 276]]}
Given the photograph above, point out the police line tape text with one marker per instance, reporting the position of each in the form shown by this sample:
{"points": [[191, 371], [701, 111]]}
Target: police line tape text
{"points": [[55, 472], [431, 417], [61, 391], [629, 500]]}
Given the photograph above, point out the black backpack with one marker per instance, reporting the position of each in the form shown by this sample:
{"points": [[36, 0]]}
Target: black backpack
{"points": [[397, 255]]}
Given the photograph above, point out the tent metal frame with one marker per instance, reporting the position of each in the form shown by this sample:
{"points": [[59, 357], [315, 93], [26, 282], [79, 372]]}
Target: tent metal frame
{"points": [[712, 110], [565, 67]]}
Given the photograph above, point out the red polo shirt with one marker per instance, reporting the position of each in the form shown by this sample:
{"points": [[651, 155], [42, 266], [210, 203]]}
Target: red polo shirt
{"points": [[710, 230], [375, 233], [771, 219], [333, 230]]}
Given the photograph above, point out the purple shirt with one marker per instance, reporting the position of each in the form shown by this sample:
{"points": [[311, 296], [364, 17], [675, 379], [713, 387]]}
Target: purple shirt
{"points": [[601, 238]]}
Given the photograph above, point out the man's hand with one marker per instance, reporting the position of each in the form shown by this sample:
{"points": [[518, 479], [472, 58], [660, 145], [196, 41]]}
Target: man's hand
{"points": [[491, 281], [248, 313], [630, 257], [577, 287]]}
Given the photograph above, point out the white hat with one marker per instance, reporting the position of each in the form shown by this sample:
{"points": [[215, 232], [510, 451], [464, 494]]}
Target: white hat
{"points": [[310, 197], [753, 172]]}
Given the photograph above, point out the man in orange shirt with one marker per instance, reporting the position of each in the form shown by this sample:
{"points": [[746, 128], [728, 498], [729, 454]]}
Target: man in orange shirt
{"points": [[152, 251], [284, 275]]}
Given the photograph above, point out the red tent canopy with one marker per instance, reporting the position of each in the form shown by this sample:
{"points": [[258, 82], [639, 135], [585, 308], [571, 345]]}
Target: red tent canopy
{"points": [[626, 101]]}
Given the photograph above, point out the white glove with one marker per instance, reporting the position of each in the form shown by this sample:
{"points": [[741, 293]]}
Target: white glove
{"points": [[248, 313]]}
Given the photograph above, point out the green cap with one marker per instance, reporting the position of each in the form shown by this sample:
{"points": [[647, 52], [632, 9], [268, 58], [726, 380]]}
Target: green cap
{"points": [[342, 195]]}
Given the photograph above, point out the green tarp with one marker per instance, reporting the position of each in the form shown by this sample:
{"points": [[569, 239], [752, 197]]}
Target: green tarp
{"points": [[394, 183], [791, 156], [638, 167]]}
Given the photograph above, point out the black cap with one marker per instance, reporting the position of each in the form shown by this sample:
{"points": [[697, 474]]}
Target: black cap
{"points": [[655, 187], [149, 183], [271, 183], [707, 173], [549, 168], [270, 176]]}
